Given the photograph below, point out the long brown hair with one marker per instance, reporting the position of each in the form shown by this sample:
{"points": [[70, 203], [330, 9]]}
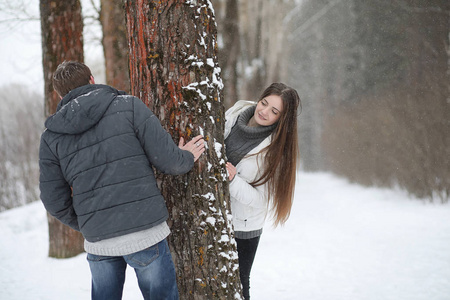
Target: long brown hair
{"points": [[281, 156]]}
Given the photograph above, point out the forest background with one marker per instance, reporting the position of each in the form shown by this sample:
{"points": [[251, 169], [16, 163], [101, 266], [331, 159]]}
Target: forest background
{"points": [[373, 77]]}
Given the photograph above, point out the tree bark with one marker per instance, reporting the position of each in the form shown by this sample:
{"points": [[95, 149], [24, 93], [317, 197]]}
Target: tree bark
{"points": [[115, 46], [229, 51], [62, 39], [174, 70]]}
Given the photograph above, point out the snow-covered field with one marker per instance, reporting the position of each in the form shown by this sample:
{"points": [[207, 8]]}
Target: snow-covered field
{"points": [[342, 242]]}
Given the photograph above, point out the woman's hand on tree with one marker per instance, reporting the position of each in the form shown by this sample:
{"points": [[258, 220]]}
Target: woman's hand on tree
{"points": [[231, 171]]}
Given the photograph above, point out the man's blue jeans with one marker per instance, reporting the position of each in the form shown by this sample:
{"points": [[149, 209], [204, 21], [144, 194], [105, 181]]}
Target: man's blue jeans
{"points": [[154, 269]]}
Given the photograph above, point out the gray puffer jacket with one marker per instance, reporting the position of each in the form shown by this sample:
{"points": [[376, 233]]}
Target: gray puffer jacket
{"points": [[96, 160]]}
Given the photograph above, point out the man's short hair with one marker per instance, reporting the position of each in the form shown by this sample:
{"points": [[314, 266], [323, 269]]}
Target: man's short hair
{"points": [[70, 75]]}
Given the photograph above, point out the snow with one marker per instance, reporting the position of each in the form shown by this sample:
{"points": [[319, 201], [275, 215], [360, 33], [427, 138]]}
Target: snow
{"points": [[218, 148], [209, 196], [342, 242], [210, 62]]}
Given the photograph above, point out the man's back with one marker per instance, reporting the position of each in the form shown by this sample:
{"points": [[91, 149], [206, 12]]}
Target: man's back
{"points": [[103, 145], [96, 162]]}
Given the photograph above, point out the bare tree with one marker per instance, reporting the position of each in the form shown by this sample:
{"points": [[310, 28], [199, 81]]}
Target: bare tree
{"points": [[229, 48], [174, 70], [375, 76], [62, 39], [15, 12], [115, 46], [20, 129]]}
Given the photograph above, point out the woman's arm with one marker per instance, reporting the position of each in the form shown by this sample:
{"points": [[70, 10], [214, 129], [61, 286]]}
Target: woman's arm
{"points": [[246, 194]]}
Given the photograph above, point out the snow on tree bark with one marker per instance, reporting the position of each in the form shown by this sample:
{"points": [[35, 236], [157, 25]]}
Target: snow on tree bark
{"points": [[174, 70], [62, 39]]}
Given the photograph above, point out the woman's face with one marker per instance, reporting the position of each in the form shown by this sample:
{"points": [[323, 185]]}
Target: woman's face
{"points": [[268, 110]]}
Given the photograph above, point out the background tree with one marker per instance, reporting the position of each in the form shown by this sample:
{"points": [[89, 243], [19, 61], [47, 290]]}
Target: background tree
{"points": [[115, 45], [229, 47], [20, 129], [21, 109], [375, 84], [62, 39], [174, 70]]}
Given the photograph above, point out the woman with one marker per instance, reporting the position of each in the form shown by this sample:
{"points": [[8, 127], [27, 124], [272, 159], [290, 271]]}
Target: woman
{"points": [[262, 150]]}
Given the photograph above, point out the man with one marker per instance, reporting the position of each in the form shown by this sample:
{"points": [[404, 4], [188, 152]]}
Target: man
{"points": [[96, 163]]}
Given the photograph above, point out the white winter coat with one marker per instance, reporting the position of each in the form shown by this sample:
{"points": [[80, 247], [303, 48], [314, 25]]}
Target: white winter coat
{"points": [[248, 204]]}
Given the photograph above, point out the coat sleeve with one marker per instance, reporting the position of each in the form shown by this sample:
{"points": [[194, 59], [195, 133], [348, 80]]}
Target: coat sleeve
{"points": [[249, 169], [157, 143], [246, 194], [56, 194]]}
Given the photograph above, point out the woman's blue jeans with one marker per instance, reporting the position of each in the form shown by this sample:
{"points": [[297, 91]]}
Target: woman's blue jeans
{"points": [[154, 269]]}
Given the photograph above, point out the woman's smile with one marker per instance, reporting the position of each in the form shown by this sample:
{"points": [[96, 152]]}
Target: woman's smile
{"points": [[267, 111]]}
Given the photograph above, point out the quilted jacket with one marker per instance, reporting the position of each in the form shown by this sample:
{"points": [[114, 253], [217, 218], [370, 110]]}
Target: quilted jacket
{"points": [[96, 162]]}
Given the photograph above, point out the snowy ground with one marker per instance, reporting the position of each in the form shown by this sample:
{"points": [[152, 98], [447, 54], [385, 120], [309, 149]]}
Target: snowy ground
{"points": [[342, 242]]}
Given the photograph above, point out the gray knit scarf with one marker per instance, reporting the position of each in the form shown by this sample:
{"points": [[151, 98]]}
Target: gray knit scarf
{"points": [[243, 138]]}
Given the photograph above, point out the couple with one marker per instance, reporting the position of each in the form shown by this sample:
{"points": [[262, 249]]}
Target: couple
{"points": [[96, 163]]}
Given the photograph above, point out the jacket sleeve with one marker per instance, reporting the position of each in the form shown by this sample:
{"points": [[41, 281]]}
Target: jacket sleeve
{"points": [[157, 143], [246, 194], [56, 194]]}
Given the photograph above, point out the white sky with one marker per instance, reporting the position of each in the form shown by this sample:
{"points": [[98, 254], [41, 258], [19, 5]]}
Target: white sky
{"points": [[21, 49]]}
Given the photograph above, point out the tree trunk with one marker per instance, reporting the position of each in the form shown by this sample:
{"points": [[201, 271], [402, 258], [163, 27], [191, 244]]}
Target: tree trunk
{"points": [[375, 76], [62, 39], [174, 70], [229, 51], [115, 47]]}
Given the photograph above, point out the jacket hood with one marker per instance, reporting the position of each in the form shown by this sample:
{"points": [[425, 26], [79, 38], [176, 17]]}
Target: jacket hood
{"points": [[81, 109]]}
